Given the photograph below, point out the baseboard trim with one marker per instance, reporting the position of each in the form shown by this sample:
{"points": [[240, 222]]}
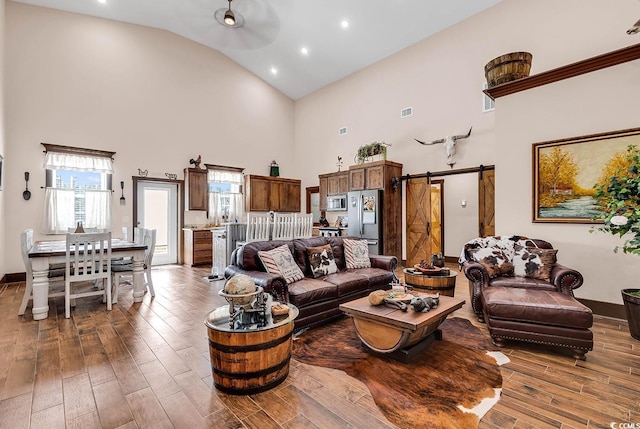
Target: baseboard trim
{"points": [[606, 309], [13, 278]]}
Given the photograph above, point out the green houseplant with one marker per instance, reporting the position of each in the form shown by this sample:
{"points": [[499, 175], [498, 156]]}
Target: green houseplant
{"points": [[370, 150], [618, 193]]}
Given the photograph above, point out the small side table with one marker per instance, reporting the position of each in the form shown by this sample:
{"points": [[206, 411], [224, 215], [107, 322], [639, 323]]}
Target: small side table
{"points": [[442, 284], [249, 360]]}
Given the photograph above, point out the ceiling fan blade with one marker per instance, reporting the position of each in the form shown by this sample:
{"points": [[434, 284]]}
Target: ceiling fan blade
{"points": [[260, 27]]}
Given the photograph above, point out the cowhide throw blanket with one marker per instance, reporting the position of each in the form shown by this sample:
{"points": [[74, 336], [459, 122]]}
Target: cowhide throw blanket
{"points": [[425, 393]]}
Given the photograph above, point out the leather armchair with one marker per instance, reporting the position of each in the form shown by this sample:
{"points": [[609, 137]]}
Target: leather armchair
{"points": [[562, 279]]}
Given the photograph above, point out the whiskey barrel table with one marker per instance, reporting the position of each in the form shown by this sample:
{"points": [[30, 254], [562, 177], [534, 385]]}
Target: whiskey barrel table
{"points": [[399, 334], [251, 359], [441, 283]]}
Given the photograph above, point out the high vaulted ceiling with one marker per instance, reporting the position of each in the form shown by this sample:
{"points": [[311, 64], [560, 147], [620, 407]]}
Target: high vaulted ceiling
{"points": [[274, 33]]}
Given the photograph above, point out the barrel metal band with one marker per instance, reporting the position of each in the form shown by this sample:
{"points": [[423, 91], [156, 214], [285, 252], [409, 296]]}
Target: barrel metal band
{"points": [[251, 390], [254, 374], [250, 348]]}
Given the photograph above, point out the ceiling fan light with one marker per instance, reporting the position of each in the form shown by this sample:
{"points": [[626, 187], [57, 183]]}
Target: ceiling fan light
{"points": [[229, 18]]}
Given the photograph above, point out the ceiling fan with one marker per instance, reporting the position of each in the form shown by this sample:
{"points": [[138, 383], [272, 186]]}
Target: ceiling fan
{"points": [[233, 24]]}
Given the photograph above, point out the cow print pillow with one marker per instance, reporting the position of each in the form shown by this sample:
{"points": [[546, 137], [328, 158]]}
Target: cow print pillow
{"points": [[321, 261], [534, 262], [493, 259]]}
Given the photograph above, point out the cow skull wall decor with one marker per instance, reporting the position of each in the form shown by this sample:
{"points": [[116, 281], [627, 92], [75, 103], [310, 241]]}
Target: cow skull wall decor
{"points": [[449, 145]]}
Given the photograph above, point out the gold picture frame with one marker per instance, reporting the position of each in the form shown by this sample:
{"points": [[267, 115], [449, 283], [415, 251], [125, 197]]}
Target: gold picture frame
{"points": [[565, 172]]}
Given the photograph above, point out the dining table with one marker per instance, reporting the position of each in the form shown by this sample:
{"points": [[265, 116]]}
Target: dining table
{"points": [[43, 254]]}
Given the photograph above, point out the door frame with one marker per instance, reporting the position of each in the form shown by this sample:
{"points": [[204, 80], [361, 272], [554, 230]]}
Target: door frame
{"points": [[180, 222], [396, 181]]}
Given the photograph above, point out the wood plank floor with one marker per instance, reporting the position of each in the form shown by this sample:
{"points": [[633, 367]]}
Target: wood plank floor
{"points": [[147, 365]]}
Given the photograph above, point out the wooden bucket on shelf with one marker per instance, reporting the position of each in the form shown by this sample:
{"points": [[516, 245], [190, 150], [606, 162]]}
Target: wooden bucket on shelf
{"points": [[507, 67], [248, 362]]}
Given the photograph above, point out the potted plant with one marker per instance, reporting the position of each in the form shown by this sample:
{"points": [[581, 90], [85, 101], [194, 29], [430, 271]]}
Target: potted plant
{"points": [[372, 149], [618, 192]]}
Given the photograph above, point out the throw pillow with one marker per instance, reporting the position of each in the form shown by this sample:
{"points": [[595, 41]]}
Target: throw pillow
{"points": [[280, 261], [321, 261], [493, 259], [534, 262], [356, 253]]}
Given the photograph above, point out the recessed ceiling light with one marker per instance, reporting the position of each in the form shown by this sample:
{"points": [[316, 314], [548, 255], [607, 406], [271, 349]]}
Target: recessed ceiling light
{"points": [[274, 70], [102, 1], [344, 23], [304, 51]]}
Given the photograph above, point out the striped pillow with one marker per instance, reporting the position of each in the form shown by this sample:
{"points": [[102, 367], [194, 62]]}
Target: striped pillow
{"points": [[356, 253], [280, 261]]}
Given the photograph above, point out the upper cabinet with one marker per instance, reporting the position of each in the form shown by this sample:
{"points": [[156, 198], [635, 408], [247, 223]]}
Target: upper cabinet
{"points": [[338, 183], [373, 175], [332, 184], [267, 193], [196, 189]]}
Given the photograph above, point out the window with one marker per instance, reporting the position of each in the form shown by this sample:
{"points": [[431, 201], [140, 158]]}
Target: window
{"points": [[488, 105], [225, 194], [78, 188]]}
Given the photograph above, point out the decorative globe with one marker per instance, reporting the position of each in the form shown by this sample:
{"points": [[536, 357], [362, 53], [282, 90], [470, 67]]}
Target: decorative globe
{"points": [[241, 284]]}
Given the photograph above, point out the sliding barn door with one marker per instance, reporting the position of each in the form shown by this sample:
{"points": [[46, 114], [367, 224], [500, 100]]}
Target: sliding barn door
{"points": [[418, 221], [487, 203], [437, 232]]}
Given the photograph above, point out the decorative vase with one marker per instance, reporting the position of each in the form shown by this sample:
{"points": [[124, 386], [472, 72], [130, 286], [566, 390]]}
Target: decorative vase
{"points": [[632, 309]]}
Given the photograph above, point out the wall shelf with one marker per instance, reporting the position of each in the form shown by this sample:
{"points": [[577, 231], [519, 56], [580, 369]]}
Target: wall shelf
{"points": [[589, 65]]}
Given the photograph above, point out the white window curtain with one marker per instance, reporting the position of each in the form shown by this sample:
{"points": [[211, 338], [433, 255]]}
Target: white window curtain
{"points": [[58, 210], [98, 209], [60, 204], [218, 198], [69, 161]]}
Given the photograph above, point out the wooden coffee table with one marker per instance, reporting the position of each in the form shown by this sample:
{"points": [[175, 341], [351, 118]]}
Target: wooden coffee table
{"points": [[399, 334]]}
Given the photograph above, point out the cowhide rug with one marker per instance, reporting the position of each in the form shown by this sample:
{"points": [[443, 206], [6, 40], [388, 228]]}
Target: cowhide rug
{"points": [[431, 391]]}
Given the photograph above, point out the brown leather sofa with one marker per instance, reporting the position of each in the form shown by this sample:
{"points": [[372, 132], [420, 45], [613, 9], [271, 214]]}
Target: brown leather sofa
{"points": [[316, 298], [542, 311]]}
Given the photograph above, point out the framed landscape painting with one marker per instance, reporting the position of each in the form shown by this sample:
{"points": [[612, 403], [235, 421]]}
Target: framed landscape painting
{"points": [[565, 173]]}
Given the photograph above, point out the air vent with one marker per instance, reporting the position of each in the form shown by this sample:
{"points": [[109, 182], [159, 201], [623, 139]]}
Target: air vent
{"points": [[488, 104], [342, 131], [406, 112]]}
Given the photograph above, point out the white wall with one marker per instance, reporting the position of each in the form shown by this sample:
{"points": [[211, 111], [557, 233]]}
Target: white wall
{"points": [[155, 98], [3, 152], [460, 222], [606, 100], [441, 78]]}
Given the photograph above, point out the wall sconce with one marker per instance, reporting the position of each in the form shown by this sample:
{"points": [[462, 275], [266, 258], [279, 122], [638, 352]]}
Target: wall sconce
{"points": [[122, 200]]}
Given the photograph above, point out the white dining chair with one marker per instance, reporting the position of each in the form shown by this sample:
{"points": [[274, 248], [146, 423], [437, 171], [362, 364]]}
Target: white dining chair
{"points": [[148, 237], [88, 259], [304, 226], [258, 227], [283, 226], [55, 277]]}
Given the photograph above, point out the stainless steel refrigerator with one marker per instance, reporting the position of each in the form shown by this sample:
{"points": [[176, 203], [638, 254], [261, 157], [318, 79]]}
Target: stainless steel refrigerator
{"points": [[364, 209]]}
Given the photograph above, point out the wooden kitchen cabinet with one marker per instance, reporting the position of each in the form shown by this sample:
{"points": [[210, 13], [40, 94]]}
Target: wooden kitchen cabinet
{"points": [[338, 183], [196, 194], [378, 175], [267, 193], [198, 245], [332, 184], [373, 175], [323, 189]]}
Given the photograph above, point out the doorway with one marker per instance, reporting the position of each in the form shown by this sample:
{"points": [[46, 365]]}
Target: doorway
{"points": [[157, 208], [425, 214]]}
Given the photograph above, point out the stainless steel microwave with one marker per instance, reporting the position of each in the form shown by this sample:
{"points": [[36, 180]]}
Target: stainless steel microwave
{"points": [[337, 203]]}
